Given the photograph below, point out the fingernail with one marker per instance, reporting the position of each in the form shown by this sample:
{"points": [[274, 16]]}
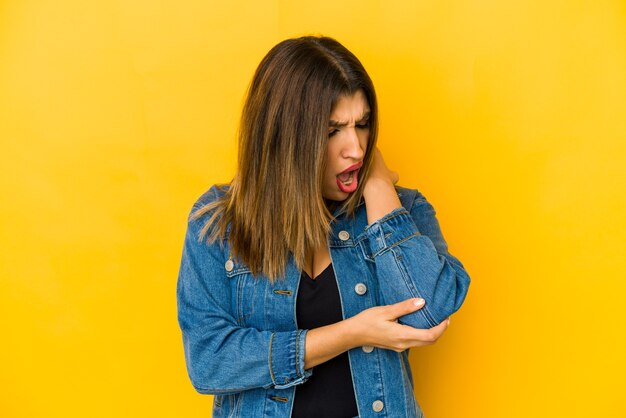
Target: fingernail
{"points": [[448, 321], [418, 302]]}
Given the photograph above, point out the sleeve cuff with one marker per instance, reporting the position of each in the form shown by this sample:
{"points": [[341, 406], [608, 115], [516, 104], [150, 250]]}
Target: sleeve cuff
{"points": [[286, 358], [390, 230]]}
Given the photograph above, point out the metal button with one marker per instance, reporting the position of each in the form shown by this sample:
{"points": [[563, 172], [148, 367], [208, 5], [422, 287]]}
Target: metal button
{"points": [[344, 235], [378, 406], [367, 348], [229, 265], [360, 289]]}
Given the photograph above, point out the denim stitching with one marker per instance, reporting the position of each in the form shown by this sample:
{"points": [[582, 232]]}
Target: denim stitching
{"points": [[239, 403], [424, 311], [400, 211], [240, 300], [395, 244], [406, 373], [365, 250], [388, 247], [297, 349], [231, 406], [381, 371], [271, 346]]}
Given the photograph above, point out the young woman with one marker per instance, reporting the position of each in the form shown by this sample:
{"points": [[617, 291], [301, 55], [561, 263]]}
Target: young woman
{"points": [[305, 281]]}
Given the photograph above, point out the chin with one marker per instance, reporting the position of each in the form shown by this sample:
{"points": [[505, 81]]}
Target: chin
{"points": [[337, 196]]}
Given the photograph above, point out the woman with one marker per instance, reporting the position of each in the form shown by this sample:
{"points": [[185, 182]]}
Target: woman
{"points": [[305, 281]]}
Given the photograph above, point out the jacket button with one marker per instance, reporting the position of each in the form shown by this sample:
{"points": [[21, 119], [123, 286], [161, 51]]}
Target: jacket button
{"points": [[229, 265], [367, 348], [378, 406], [344, 235], [360, 289]]}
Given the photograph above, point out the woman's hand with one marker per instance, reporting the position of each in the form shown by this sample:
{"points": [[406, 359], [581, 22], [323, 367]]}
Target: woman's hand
{"points": [[379, 191], [379, 173], [377, 327]]}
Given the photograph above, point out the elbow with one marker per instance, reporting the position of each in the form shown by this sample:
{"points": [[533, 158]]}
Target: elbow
{"points": [[201, 378], [448, 300], [210, 391], [205, 383], [203, 369], [462, 287], [442, 283], [202, 390], [213, 372]]}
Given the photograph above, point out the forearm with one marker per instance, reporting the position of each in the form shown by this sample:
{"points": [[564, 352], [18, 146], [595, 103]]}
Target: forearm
{"points": [[324, 343], [380, 199], [410, 264]]}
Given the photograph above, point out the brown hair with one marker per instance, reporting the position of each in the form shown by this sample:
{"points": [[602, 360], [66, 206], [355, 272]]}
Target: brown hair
{"points": [[274, 204]]}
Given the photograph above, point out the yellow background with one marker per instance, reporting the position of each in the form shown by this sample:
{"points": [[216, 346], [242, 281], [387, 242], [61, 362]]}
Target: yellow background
{"points": [[510, 116]]}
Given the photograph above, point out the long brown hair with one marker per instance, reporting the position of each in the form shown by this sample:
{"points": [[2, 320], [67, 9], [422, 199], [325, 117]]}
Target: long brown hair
{"points": [[274, 204]]}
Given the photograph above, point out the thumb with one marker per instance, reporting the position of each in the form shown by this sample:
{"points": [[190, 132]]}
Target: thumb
{"points": [[405, 307]]}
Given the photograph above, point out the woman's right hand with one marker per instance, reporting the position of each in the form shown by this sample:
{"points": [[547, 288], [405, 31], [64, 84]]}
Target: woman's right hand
{"points": [[378, 327]]}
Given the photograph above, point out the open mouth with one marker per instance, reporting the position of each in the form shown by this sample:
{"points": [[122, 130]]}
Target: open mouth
{"points": [[347, 178], [348, 181]]}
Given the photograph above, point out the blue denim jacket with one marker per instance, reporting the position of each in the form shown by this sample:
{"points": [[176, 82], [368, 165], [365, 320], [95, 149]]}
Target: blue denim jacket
{"points": [[240, 335]]}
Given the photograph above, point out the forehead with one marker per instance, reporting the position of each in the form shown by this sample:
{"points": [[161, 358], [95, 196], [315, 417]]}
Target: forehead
{"points": [[350, 108]]}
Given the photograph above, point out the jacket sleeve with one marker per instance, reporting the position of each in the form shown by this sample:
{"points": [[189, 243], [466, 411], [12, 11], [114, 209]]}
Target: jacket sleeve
{"points": [[221, 356], [412, 260]]}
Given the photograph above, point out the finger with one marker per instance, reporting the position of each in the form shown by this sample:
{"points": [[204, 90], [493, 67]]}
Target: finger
{"points": [[405, 307], [439, 329], [427, 336], [394, 177]]}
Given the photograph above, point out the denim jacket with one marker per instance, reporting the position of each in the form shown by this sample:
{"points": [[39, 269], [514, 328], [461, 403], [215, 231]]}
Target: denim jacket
{"points": [[240, 335]]}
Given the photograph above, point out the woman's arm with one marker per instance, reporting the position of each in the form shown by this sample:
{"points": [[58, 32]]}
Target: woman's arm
{"points": [[375, 327], [221, 356], [409, 251], [379, 192]]}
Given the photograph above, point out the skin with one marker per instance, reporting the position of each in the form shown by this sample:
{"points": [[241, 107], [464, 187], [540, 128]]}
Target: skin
{"points": [[375, 326]]}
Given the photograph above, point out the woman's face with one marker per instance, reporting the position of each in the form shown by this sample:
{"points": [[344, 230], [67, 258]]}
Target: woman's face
{"points": [[348, 133]]}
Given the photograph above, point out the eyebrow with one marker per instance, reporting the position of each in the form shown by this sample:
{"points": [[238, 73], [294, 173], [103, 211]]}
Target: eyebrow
{"points": [[339, 124]]}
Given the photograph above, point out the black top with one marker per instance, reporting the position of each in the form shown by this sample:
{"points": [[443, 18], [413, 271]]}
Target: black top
{"points": [[328, 392]]}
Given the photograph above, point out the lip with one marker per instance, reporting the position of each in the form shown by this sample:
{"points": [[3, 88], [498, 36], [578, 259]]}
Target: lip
{"points": [[353, 167]]}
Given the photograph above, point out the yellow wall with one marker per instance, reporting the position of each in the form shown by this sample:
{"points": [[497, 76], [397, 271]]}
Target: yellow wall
{"points": [[510, 116]]}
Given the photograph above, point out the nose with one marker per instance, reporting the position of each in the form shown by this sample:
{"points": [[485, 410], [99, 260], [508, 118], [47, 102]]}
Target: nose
{"points": [[352, 147]]}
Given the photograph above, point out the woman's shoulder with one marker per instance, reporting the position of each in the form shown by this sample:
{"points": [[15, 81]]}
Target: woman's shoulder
{"points": [[213, 194], [204, 207]]}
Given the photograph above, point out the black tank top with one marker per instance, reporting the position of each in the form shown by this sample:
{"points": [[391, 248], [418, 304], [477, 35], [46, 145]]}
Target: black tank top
{"points": [[328, 392]]}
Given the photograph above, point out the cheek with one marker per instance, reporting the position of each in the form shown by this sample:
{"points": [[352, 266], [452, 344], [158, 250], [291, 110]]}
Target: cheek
{"points": [[364, 140], [331, 160]]}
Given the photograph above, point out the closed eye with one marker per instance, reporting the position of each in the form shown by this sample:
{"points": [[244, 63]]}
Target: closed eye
{"points": [[362, 125]]}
